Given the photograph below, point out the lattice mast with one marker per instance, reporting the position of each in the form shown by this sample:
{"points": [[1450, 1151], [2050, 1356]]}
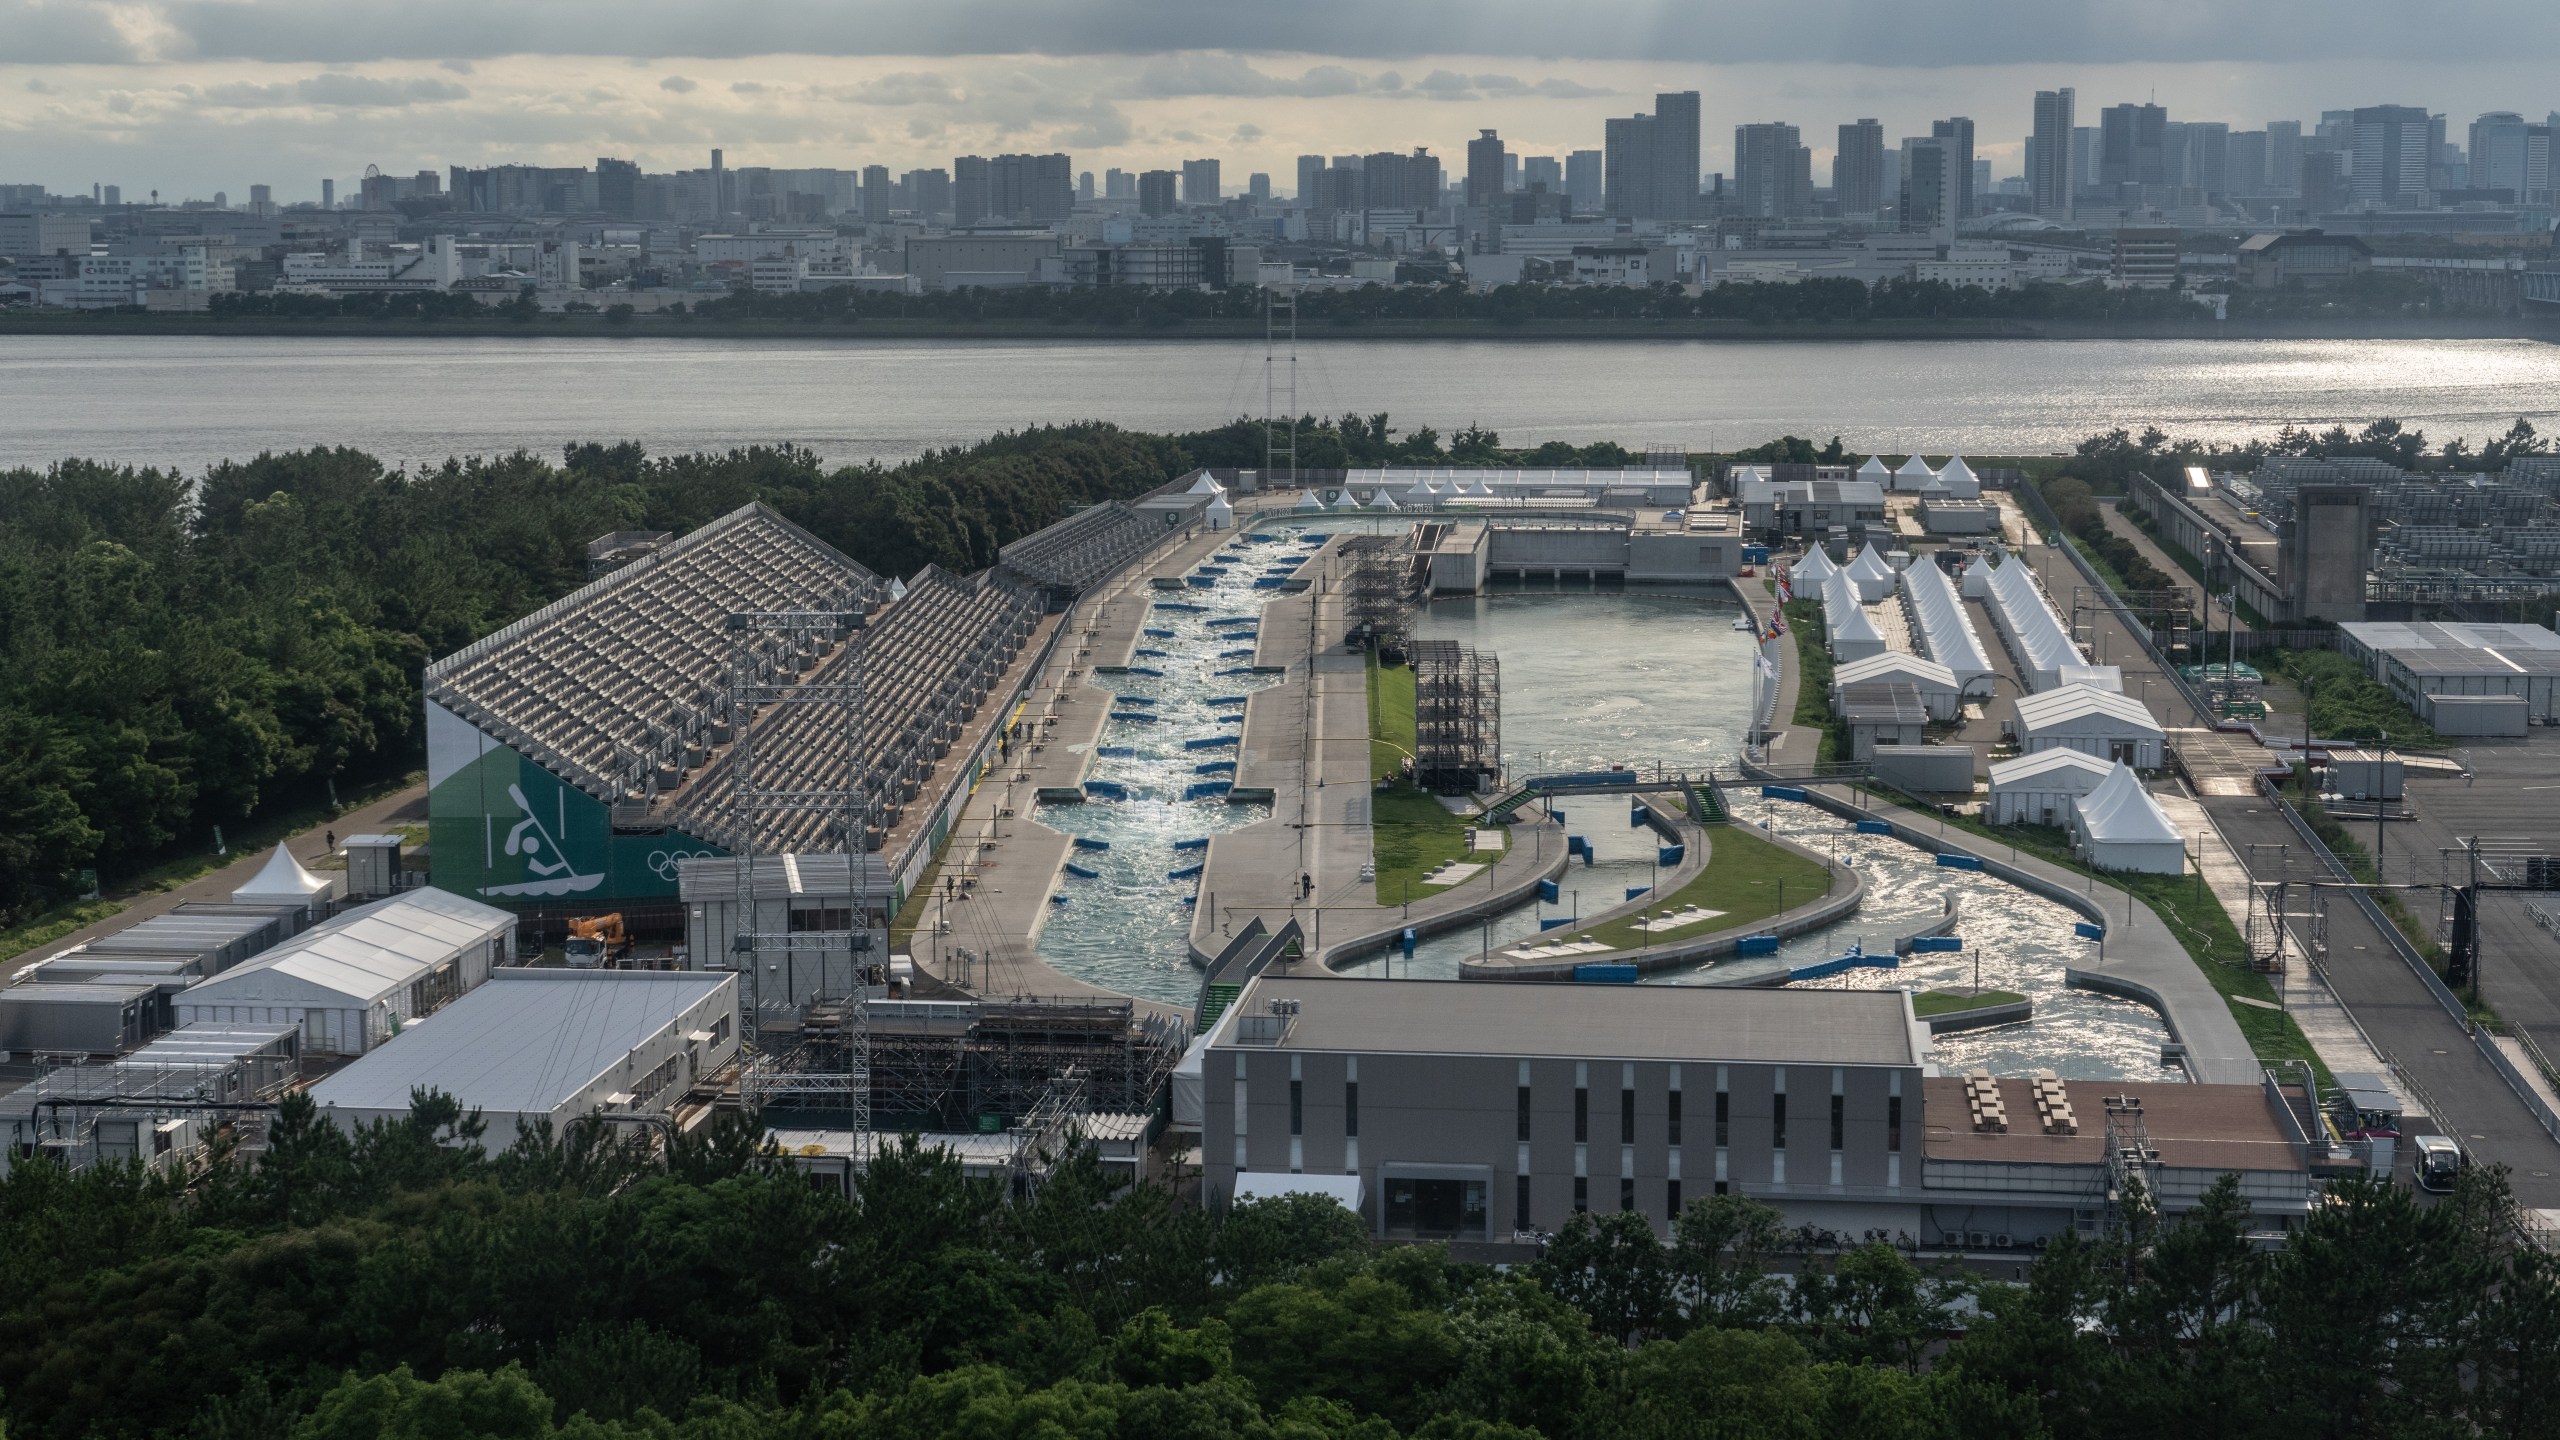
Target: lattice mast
{"points": [[777, 658], [1280, 382]]}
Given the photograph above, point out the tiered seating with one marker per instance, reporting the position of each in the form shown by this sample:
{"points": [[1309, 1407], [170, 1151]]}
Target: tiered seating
{"points": [[2053, 1105], [1084, 549], [926, 665], [618, 685], [1983, 1105]]}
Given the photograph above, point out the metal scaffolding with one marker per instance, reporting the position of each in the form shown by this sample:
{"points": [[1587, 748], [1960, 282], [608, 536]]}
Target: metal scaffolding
{"points": [[960, 1065], [1457, 716], [1377, 587], [802, 1046]]}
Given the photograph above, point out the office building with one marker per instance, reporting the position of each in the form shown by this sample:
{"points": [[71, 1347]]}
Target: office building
{"points": [[2508, 153], [617, 187], [2207, 167], [1119, 184], [1484, 169], [2130, 143], [1929, 184], [879, 194], [928, 192], [1389, 181], [1084, 187], [1676, 121], [2284, 153], [1586, 182], [2392, 153], [1628, 167], [1257, 187], [2050, 177], [1956, 137], [2324, 186], [2246, 164], [1772, 172], [722, 202], [1542, 172], [1857, 170], [1200, 182], [1310, 176], [26, 236], [2084, 158], [1156, 192], [2146, 257], [1011, 189]]}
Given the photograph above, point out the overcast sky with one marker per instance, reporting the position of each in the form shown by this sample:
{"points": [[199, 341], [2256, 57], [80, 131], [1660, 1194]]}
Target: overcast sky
{"points": [[193, 96]]}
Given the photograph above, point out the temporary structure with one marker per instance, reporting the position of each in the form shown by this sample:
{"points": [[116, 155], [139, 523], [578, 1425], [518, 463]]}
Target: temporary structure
{"points": [[1207, 484], [1960, 480], [1872, 574], [2036, 637], [1913, 474], [1945, 630], [2041, 789], [1935, 683], [1876, 473], [283, 881], [1808, 573], [2092, 721], [1219, 514], [2118, 826], [351, 982]]}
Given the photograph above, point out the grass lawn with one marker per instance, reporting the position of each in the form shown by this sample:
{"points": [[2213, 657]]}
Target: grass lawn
{"points": [[2198, 920], [1940, 1002], [1410, 834], [1391, 735], [1743, 879], [1813, 678], [259, 835]]}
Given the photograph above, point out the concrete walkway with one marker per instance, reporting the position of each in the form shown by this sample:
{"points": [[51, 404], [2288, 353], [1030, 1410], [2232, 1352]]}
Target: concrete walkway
{"points": [[401, 807]]}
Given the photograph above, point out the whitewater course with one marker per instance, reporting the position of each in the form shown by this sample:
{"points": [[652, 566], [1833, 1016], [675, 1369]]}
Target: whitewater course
{"points": [[1200, 776]]}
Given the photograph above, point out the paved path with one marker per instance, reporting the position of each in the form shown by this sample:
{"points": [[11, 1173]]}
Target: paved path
{"points": [[2123, 528], [401, 807]]}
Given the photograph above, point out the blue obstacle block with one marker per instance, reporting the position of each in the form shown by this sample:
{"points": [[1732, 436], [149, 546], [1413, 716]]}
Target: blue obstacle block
{"points": [[1954, 861], [1874, 827], [1081, 873], [1756, 945], [1601, 972]]}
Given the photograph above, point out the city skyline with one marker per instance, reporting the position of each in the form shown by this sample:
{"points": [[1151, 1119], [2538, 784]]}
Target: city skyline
{"points": [[192, 126]]}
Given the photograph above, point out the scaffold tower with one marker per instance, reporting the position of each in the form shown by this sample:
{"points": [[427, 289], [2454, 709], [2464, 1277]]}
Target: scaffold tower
{"points": [[1457, 714]]}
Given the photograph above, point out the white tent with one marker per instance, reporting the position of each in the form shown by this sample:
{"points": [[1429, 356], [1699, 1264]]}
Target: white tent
{"points": [[1421, 494], [1220, 514], [1433, 487], [1960, 480], [1478, 490], [1913, 474], [1808, 573], [2040, 789], [2036, 636], [1935, 682], [1945, 629], [1875, 472], [1845, 625], [1207, 484], [283, 881], [1976, 584], [2091, 721], [1309, 501], [1872, 574], [1345, 500], [1382, 500], [2105, 677], [2118, 826]]}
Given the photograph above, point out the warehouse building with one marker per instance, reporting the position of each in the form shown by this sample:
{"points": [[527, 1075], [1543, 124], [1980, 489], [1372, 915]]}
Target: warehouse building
{"points": [[2092, 721], [160, 1105], [1476, 1111], [350, 984], [539, 1046], [2421, 661]]}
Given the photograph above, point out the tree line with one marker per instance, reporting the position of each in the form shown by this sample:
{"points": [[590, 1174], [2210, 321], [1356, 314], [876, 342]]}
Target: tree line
{"points": [[404, 1282], [180, 651]]}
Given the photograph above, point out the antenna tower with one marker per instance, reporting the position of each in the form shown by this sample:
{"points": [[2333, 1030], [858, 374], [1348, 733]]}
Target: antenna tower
{"points": [[1280, 379]]}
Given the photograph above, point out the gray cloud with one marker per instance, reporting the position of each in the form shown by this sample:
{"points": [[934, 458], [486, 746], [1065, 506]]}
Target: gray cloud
{"points": [[358, 92], [1872, 32], [677, 84]]}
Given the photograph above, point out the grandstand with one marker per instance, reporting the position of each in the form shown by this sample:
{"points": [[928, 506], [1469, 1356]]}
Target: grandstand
{"points": [[1946, 632], [1084, 549], [926, 666], [2037, 639]]}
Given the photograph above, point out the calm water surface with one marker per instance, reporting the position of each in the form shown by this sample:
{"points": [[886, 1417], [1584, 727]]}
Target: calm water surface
{"points": [[188, 401]]}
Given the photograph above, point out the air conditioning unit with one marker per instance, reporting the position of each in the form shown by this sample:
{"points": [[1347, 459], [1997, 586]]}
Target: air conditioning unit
{"points": [[1999, 1242], [1976, 1240]]}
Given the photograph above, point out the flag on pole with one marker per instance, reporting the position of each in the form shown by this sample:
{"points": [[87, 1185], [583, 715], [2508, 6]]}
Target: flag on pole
{"points": [[1786, 584]]}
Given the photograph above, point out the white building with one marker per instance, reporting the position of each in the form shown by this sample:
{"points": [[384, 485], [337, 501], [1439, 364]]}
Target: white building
{"points": [[2092, 721], [2036, 637], [1913, 474], [1940, 695], [2042, 788], [283, 881], [2118, 826], [351, 983], [1872, 574], [551, 1045]]}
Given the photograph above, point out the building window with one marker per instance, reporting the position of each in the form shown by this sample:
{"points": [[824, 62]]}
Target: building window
{"points": [[1626, 1117], [1297, 1107], [1671, 1200], [1778, 1121], [1524, 1112], [1893, 1124], [1724, 1118], [1675, 1117], [1581, 1114], [1627, 1192], [829, 920], [1839, 1120], [1351, 1109], [1581, 1194], [1721, 1188], [1520, 1204]]}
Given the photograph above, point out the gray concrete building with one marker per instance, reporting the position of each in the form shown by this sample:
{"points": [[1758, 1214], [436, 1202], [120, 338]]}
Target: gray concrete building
{"points": [[1480, 1110]]}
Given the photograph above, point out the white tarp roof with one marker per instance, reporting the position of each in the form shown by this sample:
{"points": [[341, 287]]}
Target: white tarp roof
{"points": [[1422, 493], [2043, 645], [281, 881], [1207, 484], [1816, 567], [1852, 634], [1309, 501], [1875, 470], [1945, 629], [1895, 665], [2121, 812], [1958, 474], [1219, 507], [2085, 709], [361, 956], [1271, 1184], [2054, 770], [1915, 468], [2105, 677]]}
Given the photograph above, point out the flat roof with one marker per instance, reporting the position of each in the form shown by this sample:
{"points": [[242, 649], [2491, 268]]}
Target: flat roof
{"points": [[1585, 1022], [2193, 1127], [523, 1043], [2426, 647]]}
